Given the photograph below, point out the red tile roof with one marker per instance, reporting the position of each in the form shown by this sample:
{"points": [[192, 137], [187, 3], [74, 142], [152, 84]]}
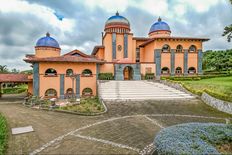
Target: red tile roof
{"points": [[73, 56], [185, 38], [95, 49], [74, 52], [63, 59], [14, 78]]}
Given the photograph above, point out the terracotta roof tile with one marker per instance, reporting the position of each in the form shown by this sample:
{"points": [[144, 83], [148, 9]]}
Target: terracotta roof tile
{"points": [[95, 49], [186, 38], [66, 58], [14, 78]]}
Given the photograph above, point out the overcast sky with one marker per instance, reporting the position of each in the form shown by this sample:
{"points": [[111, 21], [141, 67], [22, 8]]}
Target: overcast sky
{"points": [[22, 23]]}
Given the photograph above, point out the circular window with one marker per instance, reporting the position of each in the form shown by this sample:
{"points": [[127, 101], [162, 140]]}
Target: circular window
{"points": [[119, 47]]}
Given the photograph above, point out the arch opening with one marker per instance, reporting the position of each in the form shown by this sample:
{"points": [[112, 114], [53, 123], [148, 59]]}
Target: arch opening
{"points": [[192, 70], [128, 73], [165, 70]]}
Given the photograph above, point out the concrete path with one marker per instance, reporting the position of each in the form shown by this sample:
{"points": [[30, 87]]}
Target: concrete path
{"points": [[138, 90]]}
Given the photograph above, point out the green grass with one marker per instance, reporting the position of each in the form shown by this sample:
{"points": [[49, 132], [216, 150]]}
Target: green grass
{"points": [[219, 87], [3, 135]]}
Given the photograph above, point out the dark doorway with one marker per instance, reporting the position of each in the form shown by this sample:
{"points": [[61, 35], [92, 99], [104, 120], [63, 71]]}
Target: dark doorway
{"points": [[128, 73]]}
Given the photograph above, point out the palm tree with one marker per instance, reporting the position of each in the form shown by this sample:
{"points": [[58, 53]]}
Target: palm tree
{"points": [[3, 69], [228, 30]]}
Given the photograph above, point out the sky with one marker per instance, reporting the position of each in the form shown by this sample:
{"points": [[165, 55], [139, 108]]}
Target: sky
{"points": [[23, 22]]}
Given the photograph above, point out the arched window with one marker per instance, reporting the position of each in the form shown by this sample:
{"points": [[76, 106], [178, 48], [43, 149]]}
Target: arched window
{"points": [[179, 48], [51, 93], [50, 72], [192, 48], [86, 72], [69, 91], [69, 72], [166, 48], [178, 70], [87, 92], [165, 70], [191, 70]]}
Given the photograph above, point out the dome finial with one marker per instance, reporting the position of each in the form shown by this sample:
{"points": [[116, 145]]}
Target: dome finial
{"points": [[117, 14], [48, 34], [159, 19]]}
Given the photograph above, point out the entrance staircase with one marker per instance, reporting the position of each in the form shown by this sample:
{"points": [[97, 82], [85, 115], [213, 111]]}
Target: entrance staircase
{"points": [[138, 90]]}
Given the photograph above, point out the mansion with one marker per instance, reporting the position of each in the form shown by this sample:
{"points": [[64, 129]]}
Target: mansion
{"points": [[124, 56]]}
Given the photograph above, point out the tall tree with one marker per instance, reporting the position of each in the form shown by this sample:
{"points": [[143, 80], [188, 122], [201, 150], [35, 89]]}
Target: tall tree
{"points": [[228, 30], [14, 70], [3, 69]]}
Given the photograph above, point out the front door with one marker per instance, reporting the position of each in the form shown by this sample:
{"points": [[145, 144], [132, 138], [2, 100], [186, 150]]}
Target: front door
{"points": [[128, 73]]}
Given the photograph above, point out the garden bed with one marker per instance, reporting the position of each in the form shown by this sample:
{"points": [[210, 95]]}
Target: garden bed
{"points": [[3, 135], [86, 106], [193, 138]]}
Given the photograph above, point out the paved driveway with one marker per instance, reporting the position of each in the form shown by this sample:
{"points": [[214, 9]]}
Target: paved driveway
{"points": [[127, 128]]}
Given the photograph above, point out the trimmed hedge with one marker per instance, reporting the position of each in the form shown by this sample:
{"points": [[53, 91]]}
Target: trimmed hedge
{"points": [[192, 138], [149, 76], [13, 90], [194, 78], [105, 76], [3, 135]]}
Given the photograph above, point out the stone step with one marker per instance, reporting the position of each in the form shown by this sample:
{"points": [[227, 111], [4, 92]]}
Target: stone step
{"points": [[139, 90]]}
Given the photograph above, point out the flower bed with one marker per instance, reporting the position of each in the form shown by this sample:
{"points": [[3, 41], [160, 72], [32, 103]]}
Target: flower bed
{"points": [[85, 106], [193, 138], [3, 134]]}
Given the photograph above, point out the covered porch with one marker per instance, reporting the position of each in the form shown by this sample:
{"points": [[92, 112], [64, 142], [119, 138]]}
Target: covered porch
{"points": [[13, 79]]}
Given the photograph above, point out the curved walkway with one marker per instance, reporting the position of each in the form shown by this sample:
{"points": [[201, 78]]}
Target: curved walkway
{"points": [[127, 128]]}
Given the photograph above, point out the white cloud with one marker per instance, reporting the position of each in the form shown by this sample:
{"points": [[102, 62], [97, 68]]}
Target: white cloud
{"points": [[154, 7], [109, 6], [42, 12], [198, 5]]}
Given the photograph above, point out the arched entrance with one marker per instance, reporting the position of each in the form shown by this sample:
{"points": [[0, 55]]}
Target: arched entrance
{"points": [[128, 73]]}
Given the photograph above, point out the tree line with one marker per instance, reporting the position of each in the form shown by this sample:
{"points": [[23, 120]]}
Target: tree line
{"points": [[217, 60], [5, 69]]}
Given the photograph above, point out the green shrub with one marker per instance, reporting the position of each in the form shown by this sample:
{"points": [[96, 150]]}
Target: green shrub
{"points": [[149, 76], [13, 90], [98, 107], [3, 135], [105, 76], [192, 138]]}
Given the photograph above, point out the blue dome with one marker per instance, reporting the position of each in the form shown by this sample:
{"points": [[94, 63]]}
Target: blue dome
{"points": [[47, 41], [117, 19], [159, 26]]}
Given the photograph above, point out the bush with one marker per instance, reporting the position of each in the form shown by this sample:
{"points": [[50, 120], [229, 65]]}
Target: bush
{"points": [[13, 90], [3, 134], [192, 138], [105, 76], [149, 76]]}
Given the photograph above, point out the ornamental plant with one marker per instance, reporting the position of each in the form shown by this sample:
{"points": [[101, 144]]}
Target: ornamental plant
{"points": [[192, 138]]}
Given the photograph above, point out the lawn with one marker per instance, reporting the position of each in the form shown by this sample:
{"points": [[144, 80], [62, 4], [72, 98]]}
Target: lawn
{"points": [[3, 135], [219, 87]]}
